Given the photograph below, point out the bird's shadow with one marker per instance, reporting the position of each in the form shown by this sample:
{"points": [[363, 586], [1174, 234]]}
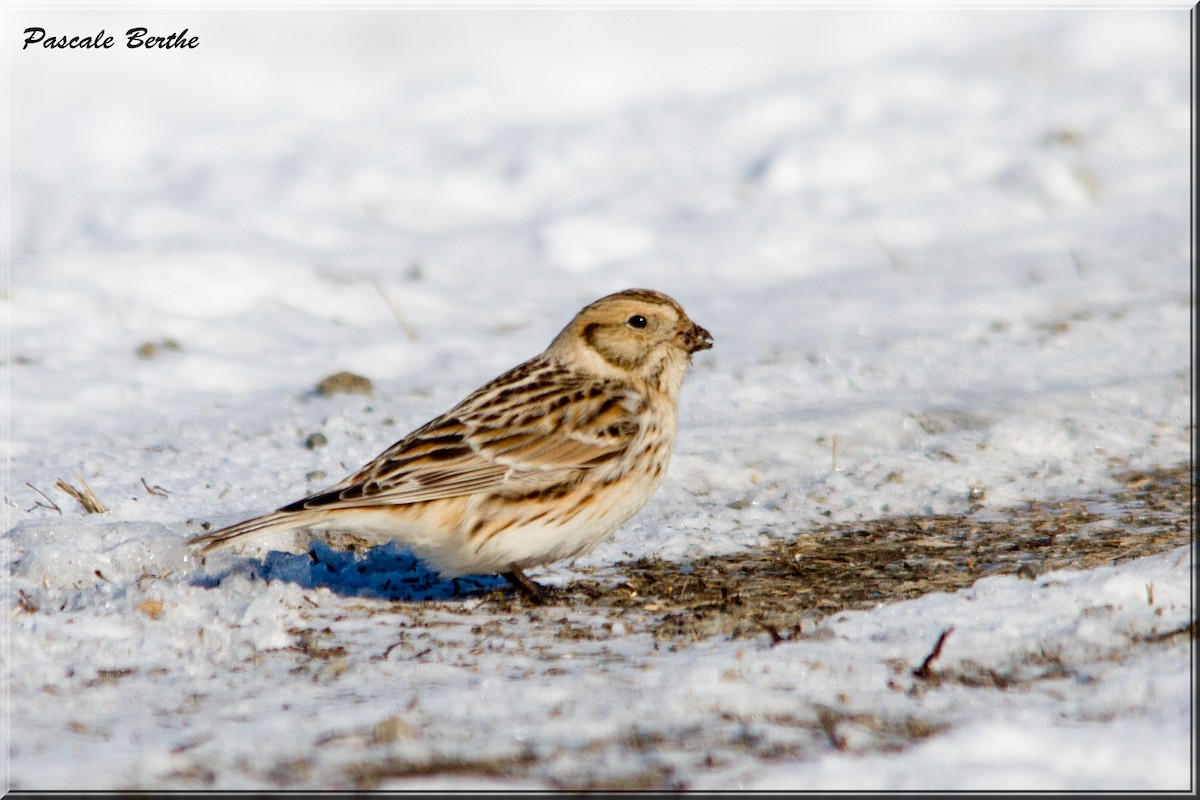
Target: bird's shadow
{"points": [[384, 572]]}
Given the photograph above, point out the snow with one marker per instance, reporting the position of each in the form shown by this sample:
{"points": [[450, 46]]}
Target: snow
{"points": [[945, 258]]}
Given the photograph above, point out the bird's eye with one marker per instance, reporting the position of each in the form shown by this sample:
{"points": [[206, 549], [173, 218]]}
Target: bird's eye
{"points": [[637, 321]]}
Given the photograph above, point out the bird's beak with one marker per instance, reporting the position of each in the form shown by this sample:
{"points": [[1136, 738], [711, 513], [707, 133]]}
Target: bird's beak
{"points": [[696, 338]]}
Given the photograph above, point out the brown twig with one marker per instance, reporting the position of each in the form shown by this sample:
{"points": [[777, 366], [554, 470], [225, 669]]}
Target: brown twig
{"points": [[924, 672], [772, 631], [39, 504], [155, 489], [1185, 630]]}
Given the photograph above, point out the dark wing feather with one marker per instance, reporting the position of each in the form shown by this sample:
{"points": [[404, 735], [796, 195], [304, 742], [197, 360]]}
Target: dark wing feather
{"points": [[536, 419]]}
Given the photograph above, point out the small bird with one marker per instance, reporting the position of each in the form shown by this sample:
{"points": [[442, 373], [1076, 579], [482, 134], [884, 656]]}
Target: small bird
{"points": [[537, 466]]}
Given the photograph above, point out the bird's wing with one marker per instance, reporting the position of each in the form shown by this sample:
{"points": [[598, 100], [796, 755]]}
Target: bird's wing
{"points": [[493, 437]]}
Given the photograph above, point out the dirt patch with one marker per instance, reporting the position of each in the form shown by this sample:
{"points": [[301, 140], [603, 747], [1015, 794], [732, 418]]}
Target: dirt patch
{"points": [[781, 589], [366, 775], [347, 382]]}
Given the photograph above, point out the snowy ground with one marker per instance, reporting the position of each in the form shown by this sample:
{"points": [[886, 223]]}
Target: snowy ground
{"points": [[945, 257]]}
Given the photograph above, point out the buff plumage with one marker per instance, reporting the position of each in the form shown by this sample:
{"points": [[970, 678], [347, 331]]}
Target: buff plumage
{"points": [[539, 465]]}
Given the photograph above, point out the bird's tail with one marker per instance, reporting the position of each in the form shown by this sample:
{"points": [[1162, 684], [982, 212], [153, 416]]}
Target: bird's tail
{"points": [[274, 522]]}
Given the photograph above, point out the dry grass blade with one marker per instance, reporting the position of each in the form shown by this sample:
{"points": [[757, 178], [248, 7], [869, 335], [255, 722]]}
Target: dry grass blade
{"points": [[409, 331], [86, 497]]}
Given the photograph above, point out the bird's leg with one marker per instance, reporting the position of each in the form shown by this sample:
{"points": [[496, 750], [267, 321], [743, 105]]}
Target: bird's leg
{"points": [[527, 586]]}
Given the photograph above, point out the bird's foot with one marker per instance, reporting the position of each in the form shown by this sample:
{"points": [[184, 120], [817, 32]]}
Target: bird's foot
{"points": [[536, 593]]}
